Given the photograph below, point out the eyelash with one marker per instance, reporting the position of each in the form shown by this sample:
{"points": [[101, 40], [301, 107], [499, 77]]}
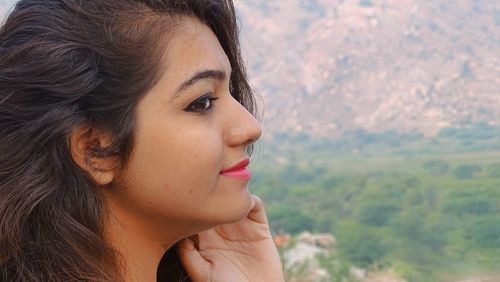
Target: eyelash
{"points": [[203, 102]]}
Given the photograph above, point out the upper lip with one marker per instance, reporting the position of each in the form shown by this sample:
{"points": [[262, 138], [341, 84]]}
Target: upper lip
{"points": [[244, 163]]}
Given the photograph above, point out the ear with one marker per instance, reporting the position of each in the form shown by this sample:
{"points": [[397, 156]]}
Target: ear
{"points": [[82, 141]]}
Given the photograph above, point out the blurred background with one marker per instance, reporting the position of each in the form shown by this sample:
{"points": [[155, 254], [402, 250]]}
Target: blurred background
{"points": [[382, 136], [380, 159]]}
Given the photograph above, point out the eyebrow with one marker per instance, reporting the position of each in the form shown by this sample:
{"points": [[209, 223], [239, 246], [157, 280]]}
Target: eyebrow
{"points": [[206, 74]]}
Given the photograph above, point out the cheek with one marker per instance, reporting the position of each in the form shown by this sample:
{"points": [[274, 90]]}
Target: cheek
{"points": [[169, 167]]}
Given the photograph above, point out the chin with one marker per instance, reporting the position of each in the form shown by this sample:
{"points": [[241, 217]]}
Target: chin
{"points": [[235, 210]]}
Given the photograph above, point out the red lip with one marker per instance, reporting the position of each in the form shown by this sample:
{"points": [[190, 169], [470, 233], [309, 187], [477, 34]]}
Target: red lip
{"points": [[241, 165]]}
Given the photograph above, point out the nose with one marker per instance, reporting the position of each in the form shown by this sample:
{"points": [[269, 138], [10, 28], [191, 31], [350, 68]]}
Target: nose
{"points": [[242, 128]]}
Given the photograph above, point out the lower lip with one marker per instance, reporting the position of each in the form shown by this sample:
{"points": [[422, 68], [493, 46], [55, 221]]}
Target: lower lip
{"points": [[242, 174]]}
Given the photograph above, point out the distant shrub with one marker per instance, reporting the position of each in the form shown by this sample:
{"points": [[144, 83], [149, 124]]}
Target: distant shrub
{"points": [[377, 214], [365, 3], [413, 227], [485, 232], [474, 205], [466, 171], [494, 170], [362, 247], [413, 182], [332, 182], [289, 218], [436, 167]]}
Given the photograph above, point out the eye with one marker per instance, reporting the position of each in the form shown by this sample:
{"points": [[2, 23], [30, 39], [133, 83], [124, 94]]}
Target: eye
{"points": [[202, 105]]}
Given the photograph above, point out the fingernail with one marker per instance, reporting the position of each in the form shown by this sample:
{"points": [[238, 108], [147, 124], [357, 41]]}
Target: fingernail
{"points": [[190, 245]]}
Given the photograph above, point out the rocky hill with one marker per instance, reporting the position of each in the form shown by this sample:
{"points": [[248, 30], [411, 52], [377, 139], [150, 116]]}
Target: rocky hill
{"points": [[325, 67]]}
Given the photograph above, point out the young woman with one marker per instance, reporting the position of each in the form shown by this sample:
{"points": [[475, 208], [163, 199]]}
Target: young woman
{"points": [[125, 132]]}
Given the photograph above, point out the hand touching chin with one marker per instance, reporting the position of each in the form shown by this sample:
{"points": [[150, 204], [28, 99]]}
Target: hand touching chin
{"points": [[240, 251]]}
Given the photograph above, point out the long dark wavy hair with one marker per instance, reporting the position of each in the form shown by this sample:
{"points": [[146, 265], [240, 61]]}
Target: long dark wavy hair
{"points": [[64, 63]]}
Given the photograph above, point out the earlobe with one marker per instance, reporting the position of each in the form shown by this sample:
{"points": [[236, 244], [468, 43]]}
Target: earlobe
{"points": [[82, 140]]}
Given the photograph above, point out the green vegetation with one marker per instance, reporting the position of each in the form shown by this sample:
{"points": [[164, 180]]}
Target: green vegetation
{"points": [[365, 3], [426, 208]]}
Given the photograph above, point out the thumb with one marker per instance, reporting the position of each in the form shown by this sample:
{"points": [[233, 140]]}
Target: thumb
{"points": [[197, 267], [257, 213]]}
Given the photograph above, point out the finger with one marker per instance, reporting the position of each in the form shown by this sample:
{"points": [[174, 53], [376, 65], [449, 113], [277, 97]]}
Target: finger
{"points": [[197, 266], [257, 213], [208, 238]]}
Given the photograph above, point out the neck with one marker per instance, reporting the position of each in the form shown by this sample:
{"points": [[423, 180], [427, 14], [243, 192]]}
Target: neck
{"points": [[138, 255], [140, 244]]}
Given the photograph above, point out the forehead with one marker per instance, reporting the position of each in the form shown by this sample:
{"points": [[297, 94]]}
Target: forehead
{"points": [[194, 47]]}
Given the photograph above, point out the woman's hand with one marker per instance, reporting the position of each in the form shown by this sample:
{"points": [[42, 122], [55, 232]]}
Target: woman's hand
{"points": [[241, 251]]}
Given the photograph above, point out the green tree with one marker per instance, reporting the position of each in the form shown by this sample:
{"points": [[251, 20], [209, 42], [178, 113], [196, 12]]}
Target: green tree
{"points": [[485, 232], [377, 213], [494, 170], [466, 171], [476, 204], [289, 218], [436, 167], [361, 245], [415, 228]]}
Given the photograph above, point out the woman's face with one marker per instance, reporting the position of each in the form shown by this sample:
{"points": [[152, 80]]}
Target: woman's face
{"points": [[188, 129]]}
